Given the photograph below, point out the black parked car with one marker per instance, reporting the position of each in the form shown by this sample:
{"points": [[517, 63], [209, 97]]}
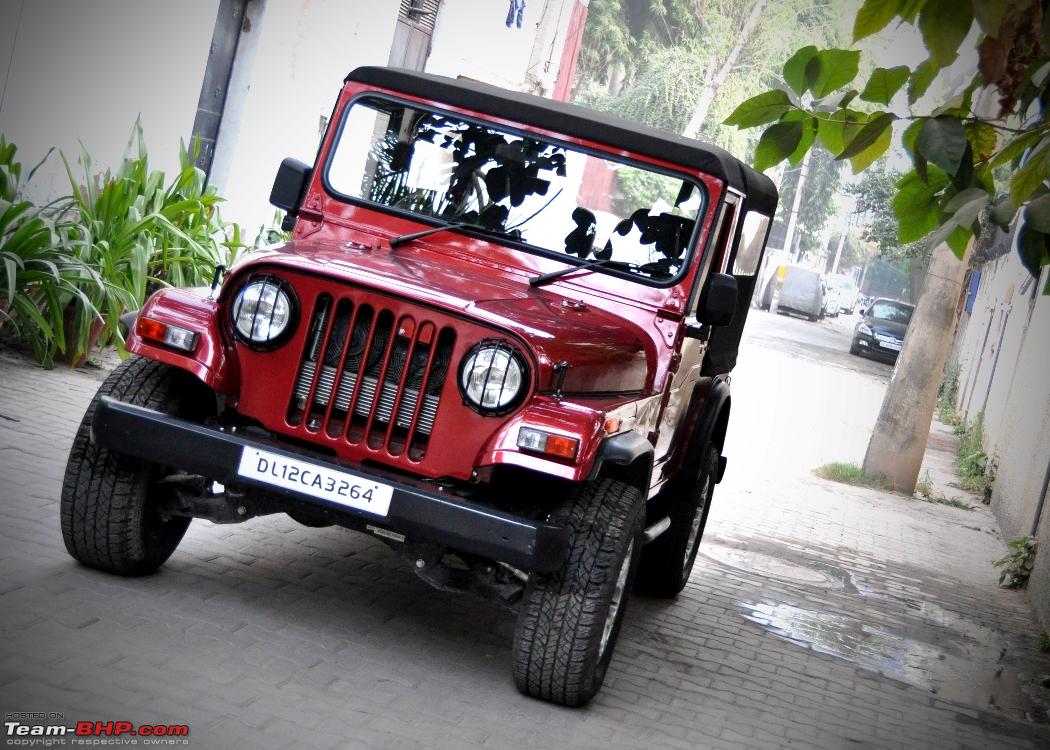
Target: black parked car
{"points": [[881, 329]]}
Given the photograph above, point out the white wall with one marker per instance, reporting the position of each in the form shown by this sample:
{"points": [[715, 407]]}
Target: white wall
{"points": [[303, 51], [79, 69], [471, 39]]}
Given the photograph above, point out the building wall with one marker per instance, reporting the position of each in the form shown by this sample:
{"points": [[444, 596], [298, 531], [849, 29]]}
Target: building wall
{"points": [[289, 70], [471, 39], [1003, 354], [73, 71]]}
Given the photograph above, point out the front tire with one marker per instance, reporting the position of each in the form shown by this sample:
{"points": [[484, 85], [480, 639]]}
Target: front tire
{"points": [[668, 560], [569, 620], [111, 504]]}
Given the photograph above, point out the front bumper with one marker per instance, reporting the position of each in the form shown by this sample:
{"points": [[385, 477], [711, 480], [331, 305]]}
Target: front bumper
{"points": [[872, 345], [417, 509]]}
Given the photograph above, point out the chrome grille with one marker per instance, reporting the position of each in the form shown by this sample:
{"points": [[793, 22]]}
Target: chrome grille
{"points": [[351, 350]]}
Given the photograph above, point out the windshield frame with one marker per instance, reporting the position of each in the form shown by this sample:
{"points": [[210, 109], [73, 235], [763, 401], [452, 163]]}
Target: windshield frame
{"points": [[692, 248]]}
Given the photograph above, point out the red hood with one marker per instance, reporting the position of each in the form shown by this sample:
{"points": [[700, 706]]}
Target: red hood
{"points": [[605, 352]]}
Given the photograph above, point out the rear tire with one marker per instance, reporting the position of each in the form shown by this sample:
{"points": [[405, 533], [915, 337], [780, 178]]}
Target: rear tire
{"points": [[668, 560], [570, 619], [110, 502]]}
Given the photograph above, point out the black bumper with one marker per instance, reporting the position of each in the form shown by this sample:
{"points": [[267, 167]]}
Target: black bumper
{"points": [[416, 510]]}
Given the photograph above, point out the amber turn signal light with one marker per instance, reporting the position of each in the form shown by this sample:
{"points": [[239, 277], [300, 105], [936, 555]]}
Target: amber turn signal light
{"points": [[173, 336], [531, 439]]}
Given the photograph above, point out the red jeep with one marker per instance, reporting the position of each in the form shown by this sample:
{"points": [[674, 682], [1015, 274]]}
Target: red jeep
{"points": [[498, 340]]}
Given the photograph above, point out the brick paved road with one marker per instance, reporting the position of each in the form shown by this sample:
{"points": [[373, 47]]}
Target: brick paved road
{"points": [[818, 616]]}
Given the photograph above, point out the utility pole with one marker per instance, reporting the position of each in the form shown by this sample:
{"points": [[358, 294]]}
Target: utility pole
{"points": [[842, 242], [789, 235]]}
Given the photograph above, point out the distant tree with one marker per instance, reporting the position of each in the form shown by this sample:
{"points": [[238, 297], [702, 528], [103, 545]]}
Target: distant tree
{"points": [[818, 197], [874, 194]]}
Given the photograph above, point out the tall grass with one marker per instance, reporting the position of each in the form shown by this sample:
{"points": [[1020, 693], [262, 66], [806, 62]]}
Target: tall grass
{"points": [[70, 269]]}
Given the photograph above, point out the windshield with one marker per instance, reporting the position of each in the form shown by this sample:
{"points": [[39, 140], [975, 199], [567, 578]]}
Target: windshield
{"points": [[892, 312], [553, 198]]}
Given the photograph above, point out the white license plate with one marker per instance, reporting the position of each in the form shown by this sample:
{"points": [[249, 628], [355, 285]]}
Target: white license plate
{"points": [[318, 481], [891, 345]]}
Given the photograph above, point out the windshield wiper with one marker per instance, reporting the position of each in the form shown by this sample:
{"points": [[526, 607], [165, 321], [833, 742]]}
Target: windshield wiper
{"points": [[606, 262], [404, 238], [401, 239]]}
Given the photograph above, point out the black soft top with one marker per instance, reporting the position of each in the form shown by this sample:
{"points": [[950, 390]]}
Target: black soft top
{"points": [[569, 119]]}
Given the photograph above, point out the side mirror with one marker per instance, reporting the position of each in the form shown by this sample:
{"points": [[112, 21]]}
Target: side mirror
{"points": [[717, 300], [289, 187], [861, 312]]}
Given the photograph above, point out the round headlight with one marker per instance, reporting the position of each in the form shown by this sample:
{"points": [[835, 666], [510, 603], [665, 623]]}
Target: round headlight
{"points": [[492, 377], [263, 312]]}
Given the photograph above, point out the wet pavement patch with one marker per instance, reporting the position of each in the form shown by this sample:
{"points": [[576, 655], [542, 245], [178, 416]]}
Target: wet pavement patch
{"points": [[908, 637]]}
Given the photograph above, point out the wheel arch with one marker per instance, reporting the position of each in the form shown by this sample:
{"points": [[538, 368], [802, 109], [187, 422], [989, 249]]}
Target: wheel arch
{"points": [[628, 457]]}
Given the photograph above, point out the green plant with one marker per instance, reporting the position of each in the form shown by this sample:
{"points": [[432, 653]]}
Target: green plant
{"points": [[139, 234], [39, 271], [975, 469], [849, 473], [1017, 565], [1044, 643], [947, 395]]}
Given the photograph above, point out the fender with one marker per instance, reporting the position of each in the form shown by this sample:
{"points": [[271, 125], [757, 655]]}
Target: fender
{"points": [[213, 361], [710, 421], [627, 455]]}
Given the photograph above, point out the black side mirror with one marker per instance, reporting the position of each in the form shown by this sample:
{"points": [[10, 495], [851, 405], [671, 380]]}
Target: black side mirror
{"points": [[717, 300], [289, 187]]}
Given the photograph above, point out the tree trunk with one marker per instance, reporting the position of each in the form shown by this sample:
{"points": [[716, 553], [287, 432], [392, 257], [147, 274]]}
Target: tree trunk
{"points": [[712, 83], [898, 442], [917, 277]]}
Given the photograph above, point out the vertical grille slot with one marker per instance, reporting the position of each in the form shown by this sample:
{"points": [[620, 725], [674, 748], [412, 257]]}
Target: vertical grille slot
{"points": [[371, 375], [305, 380]]}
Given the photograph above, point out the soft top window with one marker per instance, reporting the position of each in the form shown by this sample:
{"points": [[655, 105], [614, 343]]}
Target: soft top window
{"points": [[550, 198]]}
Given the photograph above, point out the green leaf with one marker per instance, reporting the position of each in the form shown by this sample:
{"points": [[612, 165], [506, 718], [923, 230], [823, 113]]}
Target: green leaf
{"points": [[942, 141], [911, 9], [809, 134], [795, 68], [838, 129], [848, 97], [958, 228], [1032, 249], [989, 14], [983, 137], [831, 69], [758, 110], [910, 134], [1002, 213], [1031, 175], [777, 143], [868, 135], [1037, 214], [874, 15], [965, 197], [944, 25], [958, 239], [1014, 148], [884, 83], [915, 204], [921, 78]]}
